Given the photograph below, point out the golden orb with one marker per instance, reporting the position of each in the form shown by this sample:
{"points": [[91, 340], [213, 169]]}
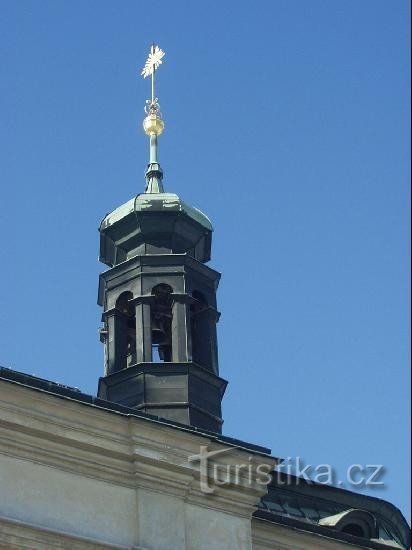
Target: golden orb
{"points": [[153, 124]]}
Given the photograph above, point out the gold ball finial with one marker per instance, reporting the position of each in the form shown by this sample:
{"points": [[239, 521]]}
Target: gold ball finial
{"points": [[153, 124]]}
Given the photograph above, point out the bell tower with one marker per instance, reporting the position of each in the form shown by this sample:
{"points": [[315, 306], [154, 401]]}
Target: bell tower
{"points": [[159, 298]]}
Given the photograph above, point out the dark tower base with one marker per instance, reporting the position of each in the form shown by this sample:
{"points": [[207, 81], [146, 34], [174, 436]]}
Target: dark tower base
{"points": [[181, 392]]}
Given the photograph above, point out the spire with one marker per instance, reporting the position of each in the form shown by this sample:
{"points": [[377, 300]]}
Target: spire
{"points": [[153, 124]]}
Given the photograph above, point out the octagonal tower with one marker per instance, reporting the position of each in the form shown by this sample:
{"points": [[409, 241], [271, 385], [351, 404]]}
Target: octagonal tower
{"points": [[159, 303]]}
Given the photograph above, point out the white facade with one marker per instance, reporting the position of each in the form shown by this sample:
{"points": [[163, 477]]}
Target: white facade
{"points": [[73, 475]]}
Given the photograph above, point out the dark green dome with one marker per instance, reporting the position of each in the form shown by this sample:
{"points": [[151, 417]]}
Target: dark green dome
{"points": [[154, 223]]}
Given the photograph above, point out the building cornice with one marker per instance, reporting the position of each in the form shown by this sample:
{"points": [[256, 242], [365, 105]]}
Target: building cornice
{"points": [[18, 534], [120, 449]]}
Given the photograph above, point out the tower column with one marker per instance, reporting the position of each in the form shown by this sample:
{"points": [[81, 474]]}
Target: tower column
{"points": [[212, 316], [204, 338], [116, 342], [143, 328], [181, 330]]}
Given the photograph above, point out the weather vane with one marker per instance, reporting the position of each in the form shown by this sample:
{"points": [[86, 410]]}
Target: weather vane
{"points": [[153, 62], [153, 124]]}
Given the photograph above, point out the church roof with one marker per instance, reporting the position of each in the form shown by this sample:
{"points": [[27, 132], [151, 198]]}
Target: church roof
{"points": [[155, 202], [293, 500], [161, 221], [69, 392], [290, 501]]}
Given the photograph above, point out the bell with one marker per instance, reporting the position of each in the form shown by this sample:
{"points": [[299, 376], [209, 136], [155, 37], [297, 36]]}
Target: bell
{"points": [[158, 332]]}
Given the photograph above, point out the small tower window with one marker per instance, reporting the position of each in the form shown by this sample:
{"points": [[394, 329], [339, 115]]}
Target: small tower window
{"points": [[358, 523]]}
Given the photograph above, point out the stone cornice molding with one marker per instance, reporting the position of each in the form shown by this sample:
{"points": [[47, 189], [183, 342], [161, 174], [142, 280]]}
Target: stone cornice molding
{"points": [[16, 534], [113, 311], [145, 299], [120, 449]]}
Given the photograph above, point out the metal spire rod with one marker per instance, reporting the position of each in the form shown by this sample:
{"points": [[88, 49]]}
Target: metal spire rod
{"points": [[153, 124], [153, 82]]}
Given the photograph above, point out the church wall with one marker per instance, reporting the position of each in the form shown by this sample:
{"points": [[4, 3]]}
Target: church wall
{"points": [[66, 502], [78, 476], [226, 531]]}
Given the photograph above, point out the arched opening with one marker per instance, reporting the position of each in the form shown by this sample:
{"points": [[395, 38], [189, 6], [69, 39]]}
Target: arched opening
{"points": [[358, 523], [161, 323], [354, 529], [128, 327]]}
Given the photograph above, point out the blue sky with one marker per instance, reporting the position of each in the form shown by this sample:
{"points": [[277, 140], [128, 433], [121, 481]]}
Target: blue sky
{"points": [[287, 124]]}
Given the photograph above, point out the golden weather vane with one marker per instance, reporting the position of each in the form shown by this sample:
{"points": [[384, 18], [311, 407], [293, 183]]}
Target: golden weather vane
{"points": [[152, 64]]}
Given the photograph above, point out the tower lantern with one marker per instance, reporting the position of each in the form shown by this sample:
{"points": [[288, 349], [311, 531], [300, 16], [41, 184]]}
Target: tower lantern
{"points": [[159, 298]]}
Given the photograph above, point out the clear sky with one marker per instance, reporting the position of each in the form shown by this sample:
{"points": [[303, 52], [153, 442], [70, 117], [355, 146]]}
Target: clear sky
{"points": [[287, 124]]}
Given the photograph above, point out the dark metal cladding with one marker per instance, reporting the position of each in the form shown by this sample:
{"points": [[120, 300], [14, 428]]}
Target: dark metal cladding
{"points": [[160, 312], [181, 392], [362, 520], [156, 223]]}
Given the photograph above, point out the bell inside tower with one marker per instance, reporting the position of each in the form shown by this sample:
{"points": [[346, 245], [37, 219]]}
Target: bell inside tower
{"points": [[161, 323]]}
